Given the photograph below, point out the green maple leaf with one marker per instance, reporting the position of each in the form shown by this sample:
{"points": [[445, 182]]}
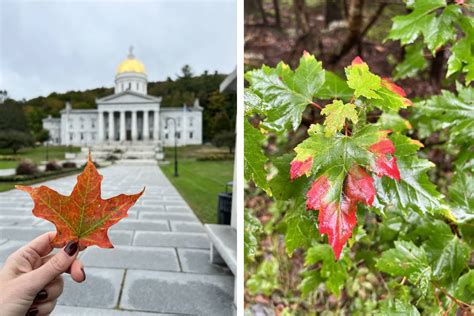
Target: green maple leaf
{"points": [[464, 289], [362, 81], [440, 30], [413, 63], [394, 122], [447, 254], [407, 28], [414, 191], [332, 272], [336, 114], [397, 307], [409, 261], [254, 159], [334, 88], [451, 111], [252, 228], [300, 228], [286, 93]]}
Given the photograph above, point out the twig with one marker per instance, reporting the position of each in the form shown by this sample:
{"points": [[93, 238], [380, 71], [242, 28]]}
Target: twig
{"points": [[452, 298], [373, 19], [403, 280], [440, 304]]}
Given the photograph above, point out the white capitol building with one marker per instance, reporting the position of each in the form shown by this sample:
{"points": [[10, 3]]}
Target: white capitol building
{"points": [[128, 117]]}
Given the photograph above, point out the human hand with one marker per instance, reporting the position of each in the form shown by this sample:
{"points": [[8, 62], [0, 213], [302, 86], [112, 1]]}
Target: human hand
{"points": [[31, 281]]}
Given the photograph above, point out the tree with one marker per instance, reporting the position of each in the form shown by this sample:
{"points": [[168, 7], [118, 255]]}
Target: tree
{"points": [[187, 71], [42, 136], [225, 138], [15, 140]]}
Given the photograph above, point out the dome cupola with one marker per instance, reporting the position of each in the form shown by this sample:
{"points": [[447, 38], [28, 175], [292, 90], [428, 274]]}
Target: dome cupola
{"points": [[131, 75]]}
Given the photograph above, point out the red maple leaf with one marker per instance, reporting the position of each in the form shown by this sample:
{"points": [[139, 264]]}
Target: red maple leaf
{"points": [[337, 213], [389, 84], [357, 61], [385, 166], [83, 216], [299, 168]]}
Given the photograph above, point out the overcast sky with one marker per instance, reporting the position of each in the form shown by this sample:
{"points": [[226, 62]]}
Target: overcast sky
{"points": [[52, 45]]}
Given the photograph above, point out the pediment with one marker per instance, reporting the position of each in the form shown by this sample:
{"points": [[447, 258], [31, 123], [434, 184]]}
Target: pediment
{"points": [[128, 97]]}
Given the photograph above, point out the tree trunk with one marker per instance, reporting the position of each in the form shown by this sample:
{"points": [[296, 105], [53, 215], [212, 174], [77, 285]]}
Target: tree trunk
{"points": [[276, 6], [333, 12], [437, 69], [262, 11], [301, 16], [355, 21]]}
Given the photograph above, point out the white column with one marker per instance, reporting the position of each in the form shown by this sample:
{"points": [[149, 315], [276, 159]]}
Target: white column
{"points": [[156, 130], [101, 127], [146, 127], [134, 126], [122, 126], [111, 126]]}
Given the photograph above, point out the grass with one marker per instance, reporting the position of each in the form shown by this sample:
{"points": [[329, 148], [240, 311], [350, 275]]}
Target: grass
{"points": [[37, 154], [199, 182], [6, 186]]}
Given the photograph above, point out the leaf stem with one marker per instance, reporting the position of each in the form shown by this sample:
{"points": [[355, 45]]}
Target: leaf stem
{"points": [[316, 105]]}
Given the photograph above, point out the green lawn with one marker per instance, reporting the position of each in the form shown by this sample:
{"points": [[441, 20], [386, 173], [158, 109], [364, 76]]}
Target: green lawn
{"points": [[37, 154], [5, 186], [199, 182]]}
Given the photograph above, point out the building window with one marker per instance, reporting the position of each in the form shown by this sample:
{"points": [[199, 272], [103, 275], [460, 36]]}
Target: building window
{"points": [[179, 122], [138, 87], [191, 122], [122, 87], [70, 125], [82, 136], [93, 124], [178, 135], [129, 86], [191, 135], [93, 136], [166, 135], [70, 136]]}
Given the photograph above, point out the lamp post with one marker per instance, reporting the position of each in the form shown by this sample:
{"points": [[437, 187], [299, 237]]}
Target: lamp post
{"points": [[175, 145]]}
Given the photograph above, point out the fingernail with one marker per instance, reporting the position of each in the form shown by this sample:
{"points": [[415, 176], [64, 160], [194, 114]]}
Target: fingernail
{"points": [[71, 248], [32, 312], [82, 269], [42, 295]]}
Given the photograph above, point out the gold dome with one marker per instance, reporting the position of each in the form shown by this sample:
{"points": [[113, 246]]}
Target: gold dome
{"points": [[131, 64]]}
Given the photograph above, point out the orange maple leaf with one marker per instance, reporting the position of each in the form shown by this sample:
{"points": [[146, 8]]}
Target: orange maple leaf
{"points": [[82, 216]]}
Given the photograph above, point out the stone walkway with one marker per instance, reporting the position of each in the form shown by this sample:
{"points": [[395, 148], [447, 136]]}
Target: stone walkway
{"points": [[160, 264]]}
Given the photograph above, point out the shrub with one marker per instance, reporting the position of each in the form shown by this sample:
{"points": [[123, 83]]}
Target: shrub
{"points": [[69, 164], [215, 157], [53, 166], [26, 167]]}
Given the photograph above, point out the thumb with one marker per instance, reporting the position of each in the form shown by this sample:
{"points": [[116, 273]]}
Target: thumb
{"points": [[55, 266]]}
